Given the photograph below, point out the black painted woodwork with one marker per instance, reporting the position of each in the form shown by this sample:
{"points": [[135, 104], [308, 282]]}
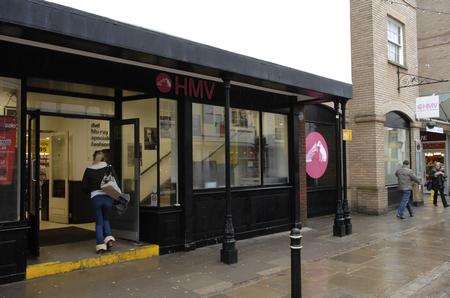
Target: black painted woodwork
{"points": [[80, 204], [13, 248], [322, 192]]}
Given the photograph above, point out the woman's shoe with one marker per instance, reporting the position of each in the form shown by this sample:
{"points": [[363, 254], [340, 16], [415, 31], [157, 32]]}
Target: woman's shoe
{"points": [[101, 248], [109, 240]]}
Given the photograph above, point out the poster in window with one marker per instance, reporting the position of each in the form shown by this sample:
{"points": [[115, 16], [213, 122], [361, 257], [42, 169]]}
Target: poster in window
{"points": [[8, 128], [150, 138], [165, 127]]}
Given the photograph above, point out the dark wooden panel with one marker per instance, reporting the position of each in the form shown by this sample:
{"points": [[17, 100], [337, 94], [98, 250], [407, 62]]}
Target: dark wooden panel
{"points": [[255, 212], [80, 205], [162, 227], [13, 249], [321, 202]]}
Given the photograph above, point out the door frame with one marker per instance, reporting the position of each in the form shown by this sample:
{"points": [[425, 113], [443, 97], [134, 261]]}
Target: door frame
{"points": [[33, 183], [25, 168], [116, 150]]}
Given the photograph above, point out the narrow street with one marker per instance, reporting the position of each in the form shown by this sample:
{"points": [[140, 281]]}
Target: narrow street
{"points": [[384, 257]]}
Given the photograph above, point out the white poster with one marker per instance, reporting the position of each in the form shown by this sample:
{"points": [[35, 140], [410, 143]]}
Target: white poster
{"points": [[427, 107]]}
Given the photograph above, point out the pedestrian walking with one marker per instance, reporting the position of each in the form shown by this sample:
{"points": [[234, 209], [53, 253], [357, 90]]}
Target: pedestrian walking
{"points": [[438, 181], [102, 202], [406, 178]]}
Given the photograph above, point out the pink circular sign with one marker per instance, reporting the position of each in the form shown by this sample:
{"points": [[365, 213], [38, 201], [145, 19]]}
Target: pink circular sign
{"points": [[163, 82], [316, 155]]}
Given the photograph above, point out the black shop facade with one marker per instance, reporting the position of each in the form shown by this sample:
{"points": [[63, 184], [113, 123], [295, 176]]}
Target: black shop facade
{"points": [[160, 118]]}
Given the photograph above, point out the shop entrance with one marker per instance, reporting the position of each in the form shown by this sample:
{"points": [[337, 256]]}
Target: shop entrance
{"points": [[59, 148]]}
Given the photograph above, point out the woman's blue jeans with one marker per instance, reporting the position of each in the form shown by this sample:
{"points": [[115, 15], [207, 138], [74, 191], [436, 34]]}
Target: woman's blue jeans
{"points": [[102, 206]]}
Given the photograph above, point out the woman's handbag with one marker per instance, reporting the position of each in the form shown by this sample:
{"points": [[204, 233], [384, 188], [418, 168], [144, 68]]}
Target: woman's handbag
{"points": [[109, 184]]}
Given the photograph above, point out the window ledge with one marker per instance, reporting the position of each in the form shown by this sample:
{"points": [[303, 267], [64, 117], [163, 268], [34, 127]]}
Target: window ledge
{"points": [[398, 64]]}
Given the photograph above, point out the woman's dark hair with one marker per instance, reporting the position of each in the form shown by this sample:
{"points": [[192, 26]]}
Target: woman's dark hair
{"points": [[97, 152]]}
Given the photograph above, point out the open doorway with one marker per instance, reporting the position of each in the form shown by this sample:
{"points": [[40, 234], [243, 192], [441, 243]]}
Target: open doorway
{"points": [[62, 212], [66, 148]]}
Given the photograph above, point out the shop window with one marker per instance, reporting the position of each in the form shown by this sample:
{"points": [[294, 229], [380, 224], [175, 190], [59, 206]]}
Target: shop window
{"points": [[162, 142], [69, 105], [208, 146], [275, 148], [244, 149], [9, 144], [168, 152], [397, 145], [395, 41]]}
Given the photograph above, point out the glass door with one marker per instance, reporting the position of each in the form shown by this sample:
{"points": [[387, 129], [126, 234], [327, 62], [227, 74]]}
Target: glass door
{"points": [[59, 178], [126, 160], [33, 182]]}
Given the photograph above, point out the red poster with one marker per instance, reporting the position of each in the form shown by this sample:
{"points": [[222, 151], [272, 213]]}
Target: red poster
{"points": [[8, 128]]}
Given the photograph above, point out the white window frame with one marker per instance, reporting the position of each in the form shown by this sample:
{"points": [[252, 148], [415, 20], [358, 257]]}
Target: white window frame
{"points": [[398, 44]]}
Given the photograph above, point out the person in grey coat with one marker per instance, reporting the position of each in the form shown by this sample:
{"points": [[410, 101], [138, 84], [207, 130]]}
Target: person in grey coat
{"points": [[406, 178]]}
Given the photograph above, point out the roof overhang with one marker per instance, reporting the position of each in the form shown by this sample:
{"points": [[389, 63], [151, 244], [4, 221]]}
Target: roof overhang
{"points": [[57, 25]]}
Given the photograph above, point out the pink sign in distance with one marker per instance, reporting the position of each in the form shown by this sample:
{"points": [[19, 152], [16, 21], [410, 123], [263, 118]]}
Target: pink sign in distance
{"points": [[316, 155]]}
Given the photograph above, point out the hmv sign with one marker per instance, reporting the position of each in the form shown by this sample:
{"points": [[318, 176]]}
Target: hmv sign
{"points": [[182, 86], [427, 107]]}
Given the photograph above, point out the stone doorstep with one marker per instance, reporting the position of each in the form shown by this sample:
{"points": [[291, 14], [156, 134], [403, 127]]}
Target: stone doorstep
{"points": [[52, 268]]}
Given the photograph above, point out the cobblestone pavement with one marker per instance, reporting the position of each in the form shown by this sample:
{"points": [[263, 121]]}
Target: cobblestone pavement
{"points": [[384, 257]]}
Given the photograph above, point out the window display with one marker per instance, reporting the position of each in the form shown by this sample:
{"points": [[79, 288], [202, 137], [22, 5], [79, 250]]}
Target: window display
{"points": [[275, 148], [9, 143], [208, 146], [396, 151], [244, 149]]}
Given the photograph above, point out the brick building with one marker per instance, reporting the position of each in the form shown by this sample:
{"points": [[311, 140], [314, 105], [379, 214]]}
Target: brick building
{"points": [[384, 42], [433, 42]]}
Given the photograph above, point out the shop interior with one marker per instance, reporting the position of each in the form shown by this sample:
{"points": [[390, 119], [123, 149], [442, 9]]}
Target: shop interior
{"points": [[66, 148]]}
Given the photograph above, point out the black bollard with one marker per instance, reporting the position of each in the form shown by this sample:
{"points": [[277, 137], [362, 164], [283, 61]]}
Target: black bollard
{"points": [[296, 266]]}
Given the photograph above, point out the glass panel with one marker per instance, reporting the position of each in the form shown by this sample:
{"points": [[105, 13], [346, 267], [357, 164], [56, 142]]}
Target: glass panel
{"points": [[275, 146], [244, 151], [208, 146], [145, 111], [168, 155], [395, 152], [9, 144], [71, 105], [128, 159], [70, 87]]}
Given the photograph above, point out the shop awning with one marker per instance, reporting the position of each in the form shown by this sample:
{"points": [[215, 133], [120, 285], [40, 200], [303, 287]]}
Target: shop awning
{"points": [[54, 24]]}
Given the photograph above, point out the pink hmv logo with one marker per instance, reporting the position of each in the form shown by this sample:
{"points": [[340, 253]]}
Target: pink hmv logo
{"points": [[316, 155]]}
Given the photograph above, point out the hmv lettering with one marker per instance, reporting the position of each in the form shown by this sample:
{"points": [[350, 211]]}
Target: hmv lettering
{"points": [[185, 86]]}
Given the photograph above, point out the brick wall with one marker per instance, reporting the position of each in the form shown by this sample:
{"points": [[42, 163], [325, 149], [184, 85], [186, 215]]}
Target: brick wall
{"points": [[433, 35], [375, 94]]}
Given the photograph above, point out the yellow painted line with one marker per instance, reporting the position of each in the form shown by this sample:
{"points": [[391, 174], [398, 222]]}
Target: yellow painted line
{"points": [[51, 268]]}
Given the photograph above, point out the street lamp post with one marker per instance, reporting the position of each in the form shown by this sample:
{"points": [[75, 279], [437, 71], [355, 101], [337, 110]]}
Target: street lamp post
{"points": [[345, 206], [339, 220], [295, 235], [228, 253]]}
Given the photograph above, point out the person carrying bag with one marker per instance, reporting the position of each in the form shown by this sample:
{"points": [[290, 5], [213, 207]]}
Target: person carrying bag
{"points": [[99, 181]]}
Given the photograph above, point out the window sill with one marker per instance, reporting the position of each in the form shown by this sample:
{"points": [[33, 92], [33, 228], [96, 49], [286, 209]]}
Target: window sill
{"points": [[398, 64]]}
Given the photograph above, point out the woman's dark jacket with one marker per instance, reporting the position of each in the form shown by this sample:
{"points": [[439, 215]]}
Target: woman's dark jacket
{"points": [[438, 181], [93, 176]]}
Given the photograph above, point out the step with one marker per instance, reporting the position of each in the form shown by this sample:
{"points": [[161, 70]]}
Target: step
{"points": [[52, 268]]}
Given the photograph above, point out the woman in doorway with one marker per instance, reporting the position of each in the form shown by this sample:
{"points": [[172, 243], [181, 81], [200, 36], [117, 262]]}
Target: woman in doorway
{"points": [[438, 181], [92, 178]]}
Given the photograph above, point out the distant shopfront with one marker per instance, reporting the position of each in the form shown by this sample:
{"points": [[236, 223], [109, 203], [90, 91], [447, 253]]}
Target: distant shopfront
{"points": [[161, 122]]}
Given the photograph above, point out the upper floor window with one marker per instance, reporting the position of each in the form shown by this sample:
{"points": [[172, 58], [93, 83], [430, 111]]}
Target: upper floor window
{"points": [[395, 41]]}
